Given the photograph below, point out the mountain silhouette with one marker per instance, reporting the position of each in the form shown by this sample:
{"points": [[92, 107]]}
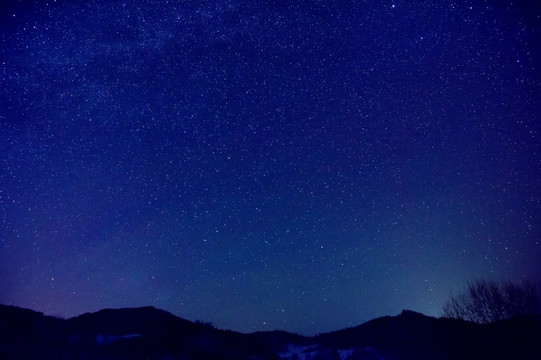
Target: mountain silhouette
{"points": [[149, 333]]}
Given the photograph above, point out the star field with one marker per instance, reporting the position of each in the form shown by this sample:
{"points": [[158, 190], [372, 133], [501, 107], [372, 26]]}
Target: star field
{"points": [[295, 165]]}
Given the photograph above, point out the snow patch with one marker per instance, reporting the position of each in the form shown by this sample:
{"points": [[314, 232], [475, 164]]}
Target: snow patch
{"points": [[371, 350], [344, 354], [299, 352]]}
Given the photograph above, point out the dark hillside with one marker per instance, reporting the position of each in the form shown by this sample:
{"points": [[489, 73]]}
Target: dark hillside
{"points": [[149, 333]]}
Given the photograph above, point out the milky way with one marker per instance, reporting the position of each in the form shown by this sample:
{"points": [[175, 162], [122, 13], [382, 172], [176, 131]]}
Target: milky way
{"points": [[295, 165]]}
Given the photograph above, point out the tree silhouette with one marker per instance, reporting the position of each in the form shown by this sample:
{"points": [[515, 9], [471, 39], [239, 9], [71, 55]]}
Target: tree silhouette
{"points": [[485, 301]]}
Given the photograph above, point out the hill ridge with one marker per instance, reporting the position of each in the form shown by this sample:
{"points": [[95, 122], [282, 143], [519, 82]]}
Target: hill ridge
{"points": [[148, 332]]}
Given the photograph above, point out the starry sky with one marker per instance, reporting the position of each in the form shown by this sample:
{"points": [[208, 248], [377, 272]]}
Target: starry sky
{"points": [[298, 165]]}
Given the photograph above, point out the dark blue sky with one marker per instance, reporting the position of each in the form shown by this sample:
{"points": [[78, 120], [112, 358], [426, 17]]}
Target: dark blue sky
{"points": [[296, 165]]}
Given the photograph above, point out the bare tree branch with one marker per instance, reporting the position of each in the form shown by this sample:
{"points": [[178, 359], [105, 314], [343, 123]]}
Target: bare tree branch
{"points": [[486, 301]]}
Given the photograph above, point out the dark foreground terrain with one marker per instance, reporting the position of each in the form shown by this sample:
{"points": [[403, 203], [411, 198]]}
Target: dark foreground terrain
{"points": [[149, 333]]}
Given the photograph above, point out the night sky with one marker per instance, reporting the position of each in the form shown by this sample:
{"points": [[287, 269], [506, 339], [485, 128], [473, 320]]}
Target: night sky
{"points": [[296, 165]]}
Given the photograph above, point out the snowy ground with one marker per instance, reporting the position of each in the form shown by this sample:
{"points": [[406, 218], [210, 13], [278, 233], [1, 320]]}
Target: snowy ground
{"points": [[299, 352]]}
